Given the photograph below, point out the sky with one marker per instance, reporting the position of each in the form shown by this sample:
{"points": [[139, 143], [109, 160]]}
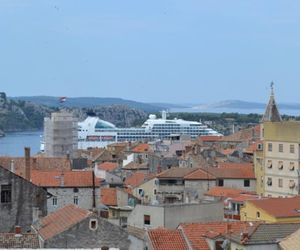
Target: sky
{"points": [[174, 51]]}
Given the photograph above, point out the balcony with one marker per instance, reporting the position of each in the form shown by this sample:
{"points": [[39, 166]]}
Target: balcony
{"points": [[231, 214]]}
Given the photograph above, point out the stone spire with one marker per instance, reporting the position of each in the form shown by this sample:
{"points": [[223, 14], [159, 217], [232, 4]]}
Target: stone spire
{"points": [[271, 113]]}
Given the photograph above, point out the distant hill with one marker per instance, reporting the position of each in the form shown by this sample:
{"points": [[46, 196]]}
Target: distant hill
{"points": [[89, 102], [238, 104], [169, 105], [21, 115]]}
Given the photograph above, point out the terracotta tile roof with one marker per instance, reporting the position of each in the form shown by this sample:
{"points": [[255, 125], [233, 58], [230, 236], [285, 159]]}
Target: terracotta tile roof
{"points": [[61, 220], [279, 207], [210, 138], [135, 166], [196, 233], [141, 148], [137, 179], [67, 178], [233, 171], [108, 166], [245, 197], [166, 239], [90, 153], [176, 172], [235, 165], [199, 174], [38, 163], [251, 148], [109, 196], [11, 240], [247, 134], [227, 151], [225, 192]]}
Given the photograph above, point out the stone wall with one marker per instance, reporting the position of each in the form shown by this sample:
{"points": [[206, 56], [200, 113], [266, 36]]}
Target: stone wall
{"points": [[81, 236], [66, 196], [25, 197]]}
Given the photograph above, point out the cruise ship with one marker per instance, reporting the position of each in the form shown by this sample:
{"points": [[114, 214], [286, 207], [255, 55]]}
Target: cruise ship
{"points": [[94, 132]]}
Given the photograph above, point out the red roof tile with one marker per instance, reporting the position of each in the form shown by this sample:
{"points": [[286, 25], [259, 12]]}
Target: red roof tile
{"points": [[247, 134], [108, 166], [210, 138], [166, 239], [36, 163], [199, 174], [279, 207], [176, 172], [234, 165], [61, 220], [228, 151], [141, 148], [137, 179], [225, 192], [245, 197], [109, 196], [63, 178], [196, 233], [233, 171]]}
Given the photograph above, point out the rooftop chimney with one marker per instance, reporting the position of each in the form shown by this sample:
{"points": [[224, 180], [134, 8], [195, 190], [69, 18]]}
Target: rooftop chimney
{"points": [[62, 179], [244, 236], [12, 166], [18, 230], [27, 163]]}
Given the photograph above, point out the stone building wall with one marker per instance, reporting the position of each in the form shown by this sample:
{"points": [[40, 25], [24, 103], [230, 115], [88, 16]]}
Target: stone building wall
{"points": [[25, 198], [66, 195], [82, 236]]}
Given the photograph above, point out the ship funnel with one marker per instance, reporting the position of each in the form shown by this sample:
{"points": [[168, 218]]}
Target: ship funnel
{"points": [[164, 115]]}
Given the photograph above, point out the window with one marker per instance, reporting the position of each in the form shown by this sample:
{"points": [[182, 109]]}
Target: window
{"points": [[220, 182], [270, 147], [246, 183], [280, 148], [292, 148], [75, 190], [54, 201], [269, 182], [280, 165], [146, 219], [269, 164], [154, 191], [292, 184], [76, 200], [292, 166], [257, 215], [141, 192], [5, 193], [93, 224], [280, 182]]}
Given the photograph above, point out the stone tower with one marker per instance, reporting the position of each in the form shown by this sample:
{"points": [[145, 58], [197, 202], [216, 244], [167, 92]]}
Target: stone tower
{"points": [[271, 114], [61, 136]]}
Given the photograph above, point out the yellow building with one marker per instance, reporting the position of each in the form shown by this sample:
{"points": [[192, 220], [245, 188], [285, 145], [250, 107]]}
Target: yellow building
{"points": [[272, 210], [281, 158], [277, 157], [147, 190], [258, 160]]}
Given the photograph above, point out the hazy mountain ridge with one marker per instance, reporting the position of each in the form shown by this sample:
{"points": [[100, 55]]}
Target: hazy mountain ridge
{"points": [[21, 115], [88, 102], [238, 104]]}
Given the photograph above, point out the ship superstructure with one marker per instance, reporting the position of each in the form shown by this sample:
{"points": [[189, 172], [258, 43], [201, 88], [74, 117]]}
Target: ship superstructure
{"points": [[94, 132]]}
